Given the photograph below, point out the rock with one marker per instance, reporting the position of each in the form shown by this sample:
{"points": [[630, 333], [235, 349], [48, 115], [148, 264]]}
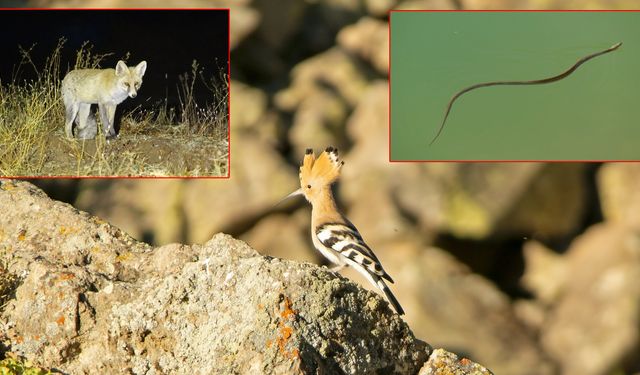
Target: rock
{"points": [[93, 300], [595, 325], [368, 38], [367, 128], [443, 362], [319, 121], [251, 115], [323, 91], [545, 274], [250, 105], [619, 190], [465, 313], [479, 200], [431, 4], [333, 69], [277, 235], [379, 8], [277, 28]]}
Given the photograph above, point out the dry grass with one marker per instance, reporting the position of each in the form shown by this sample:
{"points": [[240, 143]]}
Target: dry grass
{"points": [[33, 141]]}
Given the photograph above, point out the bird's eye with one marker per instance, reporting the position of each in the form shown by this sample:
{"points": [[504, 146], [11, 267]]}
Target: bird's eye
{"points": [[308, 186]]}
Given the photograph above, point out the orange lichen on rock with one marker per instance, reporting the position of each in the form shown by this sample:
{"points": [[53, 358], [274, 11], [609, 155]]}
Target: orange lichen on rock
{"points": [[285, 332], [66, 276]]}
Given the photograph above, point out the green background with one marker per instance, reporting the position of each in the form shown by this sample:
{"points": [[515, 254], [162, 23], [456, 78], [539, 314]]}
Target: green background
{"points": [[593, 114]]}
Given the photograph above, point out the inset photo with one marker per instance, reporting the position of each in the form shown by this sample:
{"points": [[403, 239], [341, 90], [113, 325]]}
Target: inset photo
{"points": [[514, 86], [114, 93]]}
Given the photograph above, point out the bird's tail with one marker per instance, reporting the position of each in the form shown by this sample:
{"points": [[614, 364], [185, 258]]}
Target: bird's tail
{"points": [[389, 295]]}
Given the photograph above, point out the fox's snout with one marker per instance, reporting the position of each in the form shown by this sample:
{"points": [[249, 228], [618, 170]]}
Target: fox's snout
{"points": [[133, 93]]}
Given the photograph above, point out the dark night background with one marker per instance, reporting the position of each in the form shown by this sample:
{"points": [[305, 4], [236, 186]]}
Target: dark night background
{"points": [[169, 40]]}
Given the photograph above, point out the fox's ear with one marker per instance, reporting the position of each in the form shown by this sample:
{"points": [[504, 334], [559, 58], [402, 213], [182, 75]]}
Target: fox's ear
{"points": [[141, 68], [121, 68]]}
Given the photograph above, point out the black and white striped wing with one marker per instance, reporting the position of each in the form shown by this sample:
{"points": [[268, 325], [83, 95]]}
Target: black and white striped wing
{"points": [[346, 241]]}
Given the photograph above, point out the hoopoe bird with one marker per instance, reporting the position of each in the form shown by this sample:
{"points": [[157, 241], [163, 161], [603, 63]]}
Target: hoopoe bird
{"points": [[332, 233]]}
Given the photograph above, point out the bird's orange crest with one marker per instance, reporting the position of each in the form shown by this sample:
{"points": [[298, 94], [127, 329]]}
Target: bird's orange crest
{"points": [[324, 170]]}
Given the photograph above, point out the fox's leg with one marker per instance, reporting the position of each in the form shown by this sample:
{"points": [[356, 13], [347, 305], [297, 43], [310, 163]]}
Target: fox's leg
{"points": [[84, 111], [91, 128], [71, 111], [107, 115]]}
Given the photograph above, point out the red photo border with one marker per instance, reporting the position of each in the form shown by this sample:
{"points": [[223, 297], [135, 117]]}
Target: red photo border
{"points": [[228, 175], [488, 160]]}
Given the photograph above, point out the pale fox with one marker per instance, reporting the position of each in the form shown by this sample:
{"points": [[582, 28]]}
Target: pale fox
{"points": [[105, 87]]}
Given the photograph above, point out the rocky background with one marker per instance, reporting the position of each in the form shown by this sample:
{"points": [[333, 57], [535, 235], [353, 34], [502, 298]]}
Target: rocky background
{"points": [[526, 268]]}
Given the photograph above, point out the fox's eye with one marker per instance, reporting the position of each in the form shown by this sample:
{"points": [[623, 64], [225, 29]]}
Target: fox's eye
{"points": [[308, 186], [126, 84]]}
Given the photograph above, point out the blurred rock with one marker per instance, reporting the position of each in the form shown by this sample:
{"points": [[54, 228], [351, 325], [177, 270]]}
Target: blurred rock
{"points": [[545, 274], [507, 199], [318, 122], [367, 128], [368, 38], [443, 362], [594, 327], [531, 313], [619, 189], [250, 115], [249, 105], [277, 235], [548, 4], [431, 5], [379, 8], [95, 301], [278, 24], [323, 90], [467, 314], [331, 70]]}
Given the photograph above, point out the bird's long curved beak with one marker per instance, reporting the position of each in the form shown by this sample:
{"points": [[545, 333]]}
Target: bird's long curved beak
{"points": [[295, 193]]}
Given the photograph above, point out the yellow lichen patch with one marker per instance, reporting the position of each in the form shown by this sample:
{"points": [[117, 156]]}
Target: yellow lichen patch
{"points": [[7, 185], [60, 321], [22, 235], [98, 221], [13, 364], [466, 216], [123, 257], [66, 230]]}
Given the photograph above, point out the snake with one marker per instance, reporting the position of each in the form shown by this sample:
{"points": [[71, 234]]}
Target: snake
{"points": [[555, 78]]}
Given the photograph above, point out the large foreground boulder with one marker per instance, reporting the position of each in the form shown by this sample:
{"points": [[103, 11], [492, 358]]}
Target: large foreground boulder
{"points": [[91, 299]]}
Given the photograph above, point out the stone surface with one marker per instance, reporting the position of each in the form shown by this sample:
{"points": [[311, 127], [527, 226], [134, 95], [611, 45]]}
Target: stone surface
{"points": [[619, 187], [545, 274], [368, 38], [93, 300], [595, 325], [442, 362], [464, 313]]}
